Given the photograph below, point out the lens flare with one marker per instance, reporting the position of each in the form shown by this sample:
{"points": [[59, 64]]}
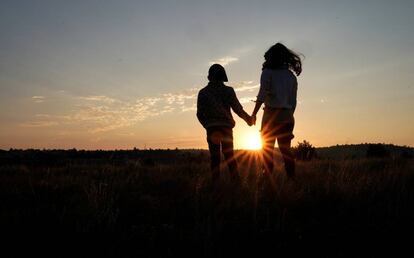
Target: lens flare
{"points": [[252, 141]]}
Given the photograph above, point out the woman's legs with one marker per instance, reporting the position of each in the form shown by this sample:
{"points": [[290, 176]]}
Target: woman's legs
{"points": [[268, 149], [268, 139], [278, 124], [288, 158], [284, 138]]}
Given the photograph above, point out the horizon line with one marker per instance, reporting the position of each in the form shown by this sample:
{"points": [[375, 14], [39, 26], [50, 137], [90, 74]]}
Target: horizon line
{"points": [[201, 149]]}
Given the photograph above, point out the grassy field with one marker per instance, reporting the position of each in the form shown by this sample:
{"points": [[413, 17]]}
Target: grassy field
{"points": [[161, 204]]}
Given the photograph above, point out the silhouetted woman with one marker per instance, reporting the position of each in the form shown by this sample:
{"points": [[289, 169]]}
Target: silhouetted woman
{"points": [[278, 89], [213, 111]]}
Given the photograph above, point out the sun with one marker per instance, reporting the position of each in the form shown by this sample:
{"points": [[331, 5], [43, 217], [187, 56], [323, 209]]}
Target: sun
{"points": [[251, 140]]}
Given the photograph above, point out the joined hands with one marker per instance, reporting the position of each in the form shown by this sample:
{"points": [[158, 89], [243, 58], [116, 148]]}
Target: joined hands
{"points": [[251, 120]]}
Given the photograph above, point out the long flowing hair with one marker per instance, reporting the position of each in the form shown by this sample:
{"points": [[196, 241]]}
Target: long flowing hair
{"points": [[279, 56]]}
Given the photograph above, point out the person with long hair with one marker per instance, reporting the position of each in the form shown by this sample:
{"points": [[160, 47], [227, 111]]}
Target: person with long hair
{"points": [[278, 92], [214, 103]]}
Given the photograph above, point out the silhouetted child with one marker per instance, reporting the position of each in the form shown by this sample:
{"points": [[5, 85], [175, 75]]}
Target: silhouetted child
{"points": [[213, 111]]}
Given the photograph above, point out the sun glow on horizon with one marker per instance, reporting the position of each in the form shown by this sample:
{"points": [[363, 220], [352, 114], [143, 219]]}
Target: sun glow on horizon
{"points": [[251, 141]]}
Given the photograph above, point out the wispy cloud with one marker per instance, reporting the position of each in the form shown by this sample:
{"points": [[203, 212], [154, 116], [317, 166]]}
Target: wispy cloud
{"points": [[99, 98], [38, 99], [179, 99], [104, 114], [193, 107], [245, 86], [99, 113], [42, 115], [247, 100], [224, 60], [39, 124]]}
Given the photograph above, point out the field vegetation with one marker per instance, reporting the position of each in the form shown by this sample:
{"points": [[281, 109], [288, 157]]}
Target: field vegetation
{"points": [[160, 203]]}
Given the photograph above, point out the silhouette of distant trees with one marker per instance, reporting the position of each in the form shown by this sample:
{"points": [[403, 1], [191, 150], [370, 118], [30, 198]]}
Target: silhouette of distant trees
{"points": [[377, 150], [304, 151]]}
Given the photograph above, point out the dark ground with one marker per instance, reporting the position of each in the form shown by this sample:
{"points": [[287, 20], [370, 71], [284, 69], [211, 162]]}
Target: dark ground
{"points": [[161, 204]]}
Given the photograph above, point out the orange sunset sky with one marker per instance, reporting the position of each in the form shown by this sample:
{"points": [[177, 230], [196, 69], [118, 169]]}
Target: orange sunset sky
{"points": [[124, 74]]}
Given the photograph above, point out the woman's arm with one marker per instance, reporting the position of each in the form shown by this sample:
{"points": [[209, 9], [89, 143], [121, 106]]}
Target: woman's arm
{"points": [[257, 107], [255, 110], [264, 89]]}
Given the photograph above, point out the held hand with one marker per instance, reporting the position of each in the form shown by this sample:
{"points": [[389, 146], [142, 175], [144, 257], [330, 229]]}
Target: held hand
{"points": [[249, 120], [253, 119]]}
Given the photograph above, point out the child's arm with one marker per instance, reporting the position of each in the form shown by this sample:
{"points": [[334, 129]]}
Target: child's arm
{"points": [[238, 108], [200, 108]]}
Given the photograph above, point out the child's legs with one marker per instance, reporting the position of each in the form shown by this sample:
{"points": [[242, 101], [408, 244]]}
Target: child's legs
{"points": [[214, 136], [228, 151]]}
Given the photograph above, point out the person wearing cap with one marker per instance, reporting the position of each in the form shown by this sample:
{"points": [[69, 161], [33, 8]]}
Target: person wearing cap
{"points": [[213, 111]]}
